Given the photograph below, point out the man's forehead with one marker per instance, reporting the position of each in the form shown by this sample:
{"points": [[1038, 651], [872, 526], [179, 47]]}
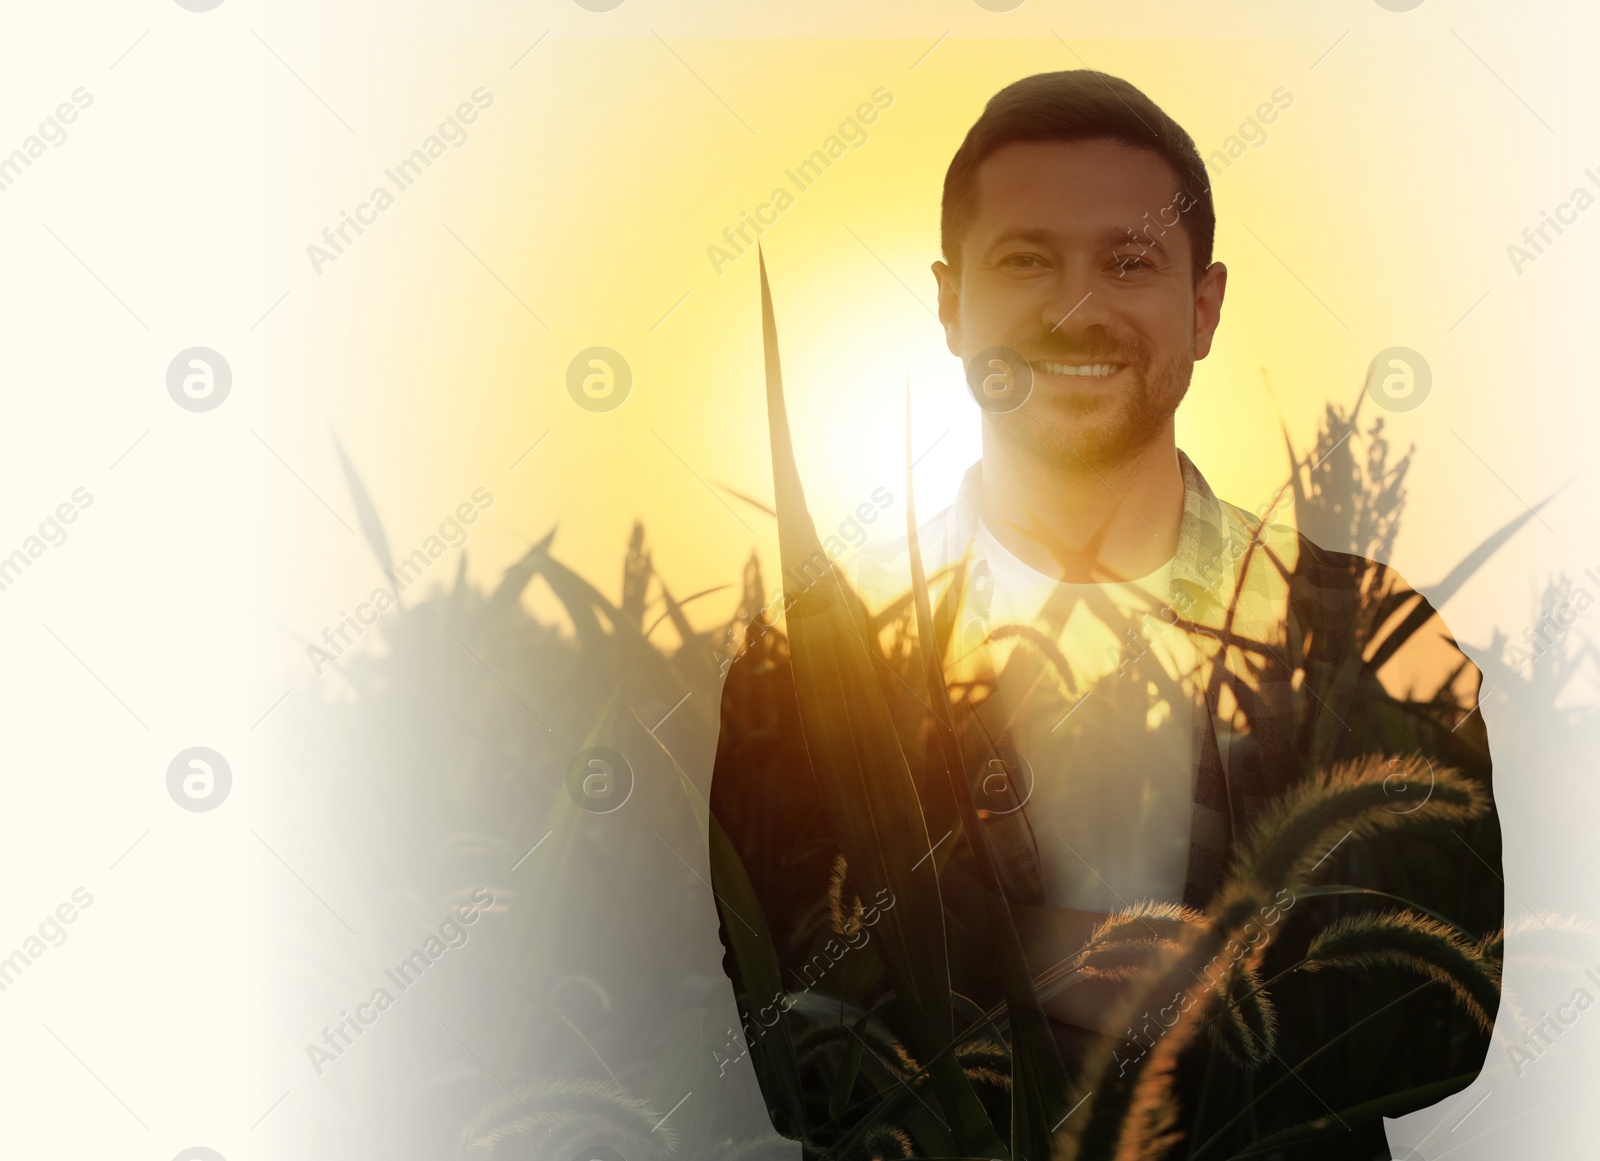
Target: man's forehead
{"points": [[1070, 186]]}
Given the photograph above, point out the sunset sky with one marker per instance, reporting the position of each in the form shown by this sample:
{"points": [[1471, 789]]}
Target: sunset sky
{"points": [[442, 335]]}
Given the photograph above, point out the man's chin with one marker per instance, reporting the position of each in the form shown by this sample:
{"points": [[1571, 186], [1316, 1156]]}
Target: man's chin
{"points": [[1083, 429], [1075, 433]]}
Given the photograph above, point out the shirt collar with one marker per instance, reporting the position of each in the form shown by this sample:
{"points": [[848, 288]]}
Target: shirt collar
{"points": [[1202, 533]]}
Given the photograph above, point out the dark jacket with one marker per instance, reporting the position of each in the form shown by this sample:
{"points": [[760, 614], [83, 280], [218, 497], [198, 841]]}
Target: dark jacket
{"points": [[1311, 658]]}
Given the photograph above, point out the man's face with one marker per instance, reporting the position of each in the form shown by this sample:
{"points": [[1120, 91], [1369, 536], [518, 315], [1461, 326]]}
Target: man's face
{"points": [[1063, 265]]}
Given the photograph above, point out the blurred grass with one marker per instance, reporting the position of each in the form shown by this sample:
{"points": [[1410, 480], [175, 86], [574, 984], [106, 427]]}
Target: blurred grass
{"points": [[592, 996]]}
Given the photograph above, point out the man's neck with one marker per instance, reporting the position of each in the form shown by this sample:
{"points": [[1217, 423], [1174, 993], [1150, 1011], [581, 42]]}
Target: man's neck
{"points": [[1050, 515]]}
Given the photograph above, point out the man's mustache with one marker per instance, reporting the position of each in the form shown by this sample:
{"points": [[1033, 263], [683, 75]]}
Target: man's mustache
{"points": [[1054, 348], [1103, 352]]}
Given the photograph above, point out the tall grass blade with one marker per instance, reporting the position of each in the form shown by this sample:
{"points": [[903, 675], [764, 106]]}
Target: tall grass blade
{"points": [[366, 512], [1039, 1081], [1439, 593], [508, 592], [862, 774], [752, 946]]}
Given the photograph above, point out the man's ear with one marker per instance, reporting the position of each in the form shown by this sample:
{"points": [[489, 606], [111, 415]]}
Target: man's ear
{"points": [[949, 286], [1208, 295]]}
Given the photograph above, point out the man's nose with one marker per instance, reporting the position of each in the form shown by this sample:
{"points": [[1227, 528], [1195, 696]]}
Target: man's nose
{"points": [[1076, 302]]}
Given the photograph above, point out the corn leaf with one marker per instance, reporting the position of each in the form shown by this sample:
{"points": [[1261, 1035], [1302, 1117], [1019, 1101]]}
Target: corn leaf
{"points": [[862, 773], [1038, 1079]]}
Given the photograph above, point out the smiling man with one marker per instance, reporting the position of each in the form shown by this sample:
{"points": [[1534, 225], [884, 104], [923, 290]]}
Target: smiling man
{"points": [[1144, 678], [1077, 236]]}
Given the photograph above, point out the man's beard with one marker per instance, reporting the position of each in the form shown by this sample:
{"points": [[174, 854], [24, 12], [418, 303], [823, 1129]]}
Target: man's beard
{"points": [[1074, 433]]}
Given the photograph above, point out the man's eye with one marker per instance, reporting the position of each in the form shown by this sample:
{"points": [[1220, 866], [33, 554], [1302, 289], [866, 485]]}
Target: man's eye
{"points": [[1023, 261], [1130, 262]]}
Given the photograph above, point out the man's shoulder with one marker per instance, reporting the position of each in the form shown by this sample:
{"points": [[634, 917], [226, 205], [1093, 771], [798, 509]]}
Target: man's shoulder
{"points": [[1341, 600], [1294, 552]]}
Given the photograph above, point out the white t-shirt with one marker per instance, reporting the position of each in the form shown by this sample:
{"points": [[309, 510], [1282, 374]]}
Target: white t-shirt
{"points": [[1112, 750]]}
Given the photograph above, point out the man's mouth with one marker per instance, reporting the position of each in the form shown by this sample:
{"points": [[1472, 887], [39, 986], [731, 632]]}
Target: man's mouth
{"points": [[1082, 370]]}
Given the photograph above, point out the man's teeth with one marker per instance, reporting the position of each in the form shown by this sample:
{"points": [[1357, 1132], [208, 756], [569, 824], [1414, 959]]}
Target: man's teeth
{"points": [[1092, 370]]}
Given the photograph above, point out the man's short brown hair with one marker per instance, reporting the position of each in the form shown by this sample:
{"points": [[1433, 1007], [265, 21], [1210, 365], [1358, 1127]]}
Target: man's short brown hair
{"points": [[1076, 105]]}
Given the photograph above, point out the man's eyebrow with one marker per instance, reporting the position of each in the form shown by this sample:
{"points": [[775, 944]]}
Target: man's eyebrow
{"points": [[1033, 234], [1110, 237], [1124, 236]]}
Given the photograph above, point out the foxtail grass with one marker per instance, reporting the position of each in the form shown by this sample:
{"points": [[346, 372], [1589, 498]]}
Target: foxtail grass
{"points": [[1130, 1110]]}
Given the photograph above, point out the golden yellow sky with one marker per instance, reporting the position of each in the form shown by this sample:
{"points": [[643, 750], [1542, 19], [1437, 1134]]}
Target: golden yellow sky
{"points": [[579, 212]]}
